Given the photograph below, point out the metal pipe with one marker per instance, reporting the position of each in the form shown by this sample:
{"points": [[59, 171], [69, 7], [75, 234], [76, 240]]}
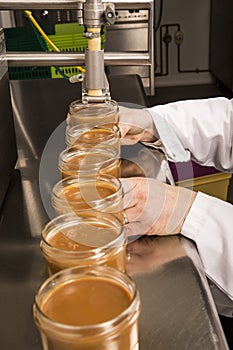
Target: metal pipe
{"points": [[38, 4], [30, 59], [64, 4]]}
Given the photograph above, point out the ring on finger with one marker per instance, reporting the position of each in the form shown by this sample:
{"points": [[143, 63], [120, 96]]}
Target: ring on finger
{"points": [[126, 221]]}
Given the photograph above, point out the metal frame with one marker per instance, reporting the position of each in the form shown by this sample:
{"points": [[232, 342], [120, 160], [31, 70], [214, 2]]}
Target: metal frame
{"points": [[115, 59]]}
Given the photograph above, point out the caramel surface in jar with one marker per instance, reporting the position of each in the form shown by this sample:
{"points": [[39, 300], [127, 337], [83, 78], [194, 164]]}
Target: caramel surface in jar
{"points": [[93, 114], [89, 161], [87, 239], [103, 193], [78, 137], [88, 309]]}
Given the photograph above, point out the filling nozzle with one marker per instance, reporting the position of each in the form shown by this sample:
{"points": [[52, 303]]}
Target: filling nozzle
{"points": [[95, 16]]}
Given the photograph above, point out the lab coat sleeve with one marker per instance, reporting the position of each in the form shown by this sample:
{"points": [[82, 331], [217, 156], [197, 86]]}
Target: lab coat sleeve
{"points": [[209, 225], [204, 128]]}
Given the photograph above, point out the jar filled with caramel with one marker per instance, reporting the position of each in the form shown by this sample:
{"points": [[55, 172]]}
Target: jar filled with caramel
{"points": [[88, 160], [93, 114], [88, 308], [83, 136], [102, 192], [86, 239]]}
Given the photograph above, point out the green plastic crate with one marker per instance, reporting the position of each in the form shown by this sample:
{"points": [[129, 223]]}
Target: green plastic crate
{"points": [[68, 37], [24, 73], [24, 39]]}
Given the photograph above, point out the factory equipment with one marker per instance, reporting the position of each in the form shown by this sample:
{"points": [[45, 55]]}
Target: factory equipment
{"points": [[129, 45], [93, 14], [133, 32]]}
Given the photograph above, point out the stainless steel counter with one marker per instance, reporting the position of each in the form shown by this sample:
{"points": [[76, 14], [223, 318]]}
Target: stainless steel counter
{"points": [[177, 308]]}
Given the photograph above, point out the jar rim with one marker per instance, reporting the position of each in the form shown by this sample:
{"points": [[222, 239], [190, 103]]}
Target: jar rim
{"points": [[84, 180], [77, 106], [112, 154], [102, 272], [75, 132], [67, 220]]}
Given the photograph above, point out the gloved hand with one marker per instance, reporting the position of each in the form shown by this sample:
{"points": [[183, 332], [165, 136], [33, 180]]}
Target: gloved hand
{"points": [[136, 125], [153, 207]]}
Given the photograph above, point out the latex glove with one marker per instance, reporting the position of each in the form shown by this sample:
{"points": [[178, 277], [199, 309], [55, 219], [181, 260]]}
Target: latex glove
{"points": [[155, 208], [136, 125]]}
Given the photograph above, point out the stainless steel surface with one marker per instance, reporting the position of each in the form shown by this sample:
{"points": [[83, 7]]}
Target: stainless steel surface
{"points": [[131, 15], [49, 4], [133, 32], [8, 153], [29, 59], [177, 308]]}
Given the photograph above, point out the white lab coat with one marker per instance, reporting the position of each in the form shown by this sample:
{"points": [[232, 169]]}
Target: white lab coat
{"points": [[205, 130]]}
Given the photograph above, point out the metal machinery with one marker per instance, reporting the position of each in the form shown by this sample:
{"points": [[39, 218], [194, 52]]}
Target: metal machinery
{"points": [[133, 32], [127, 49]]}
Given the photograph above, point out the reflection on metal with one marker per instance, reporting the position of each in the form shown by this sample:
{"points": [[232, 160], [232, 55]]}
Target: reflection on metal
{"points": [[8, 151], [21, 128], [29, 59], [26, 156], [32, 200], [178, 311]]}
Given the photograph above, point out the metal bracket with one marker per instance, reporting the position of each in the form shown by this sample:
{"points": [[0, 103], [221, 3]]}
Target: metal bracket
{"points": [[104, 97], [109, 13], [92, 35]]}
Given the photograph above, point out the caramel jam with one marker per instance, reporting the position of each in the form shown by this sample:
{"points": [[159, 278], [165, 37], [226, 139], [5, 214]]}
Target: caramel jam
{"points": [[92, 163], [91, 117], [89, 192], [82, 237], [95, 195], [93, 136], [86, 301], [60, 241], [77, 245]]}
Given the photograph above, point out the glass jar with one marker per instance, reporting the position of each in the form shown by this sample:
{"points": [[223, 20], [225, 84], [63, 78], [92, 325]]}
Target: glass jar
{"points": [[80, 136], [88, 308], [89, 161], [93, 114], [102, 192], [86, 239]]}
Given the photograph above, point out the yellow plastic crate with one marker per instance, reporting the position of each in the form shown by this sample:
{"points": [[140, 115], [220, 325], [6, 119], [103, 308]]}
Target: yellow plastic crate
{"points": [[215, 185]]}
